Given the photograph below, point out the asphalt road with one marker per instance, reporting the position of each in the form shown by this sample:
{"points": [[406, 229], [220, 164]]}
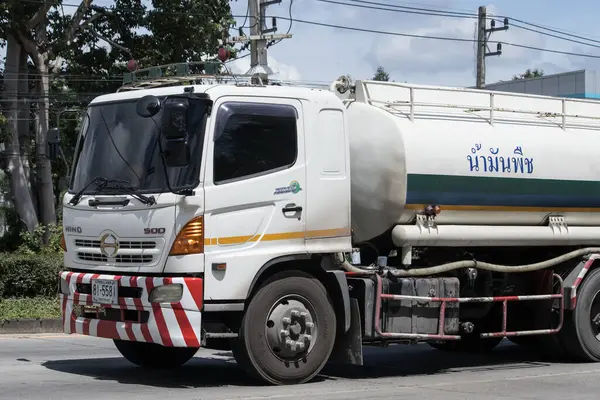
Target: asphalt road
{"points": [[84, 368]]}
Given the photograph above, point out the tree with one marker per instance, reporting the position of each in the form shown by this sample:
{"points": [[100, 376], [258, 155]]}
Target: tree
{"points": [[44, 46], [381, 75], [529, 74]]}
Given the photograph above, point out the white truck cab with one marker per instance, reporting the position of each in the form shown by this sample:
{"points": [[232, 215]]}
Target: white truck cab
{"points": [[164, 229]]}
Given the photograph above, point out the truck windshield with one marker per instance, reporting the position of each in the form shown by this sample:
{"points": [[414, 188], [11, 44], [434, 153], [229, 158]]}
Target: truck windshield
{"points": [[116, 143]]}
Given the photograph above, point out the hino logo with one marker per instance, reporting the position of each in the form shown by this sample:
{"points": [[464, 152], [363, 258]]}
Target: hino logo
{"points": [[73, 229], [109, 245]]}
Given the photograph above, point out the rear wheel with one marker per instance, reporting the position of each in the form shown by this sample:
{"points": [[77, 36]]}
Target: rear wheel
{"points": [[288, 331], [154, 356], [581, 331]]}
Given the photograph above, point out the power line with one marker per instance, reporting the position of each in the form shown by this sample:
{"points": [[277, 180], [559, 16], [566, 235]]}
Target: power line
{"points": [[554, 36], [274, 42], [389, 33], [550, 29], [401, 9], [416, 10], [135, 10], [433, 12], [445, 38]]}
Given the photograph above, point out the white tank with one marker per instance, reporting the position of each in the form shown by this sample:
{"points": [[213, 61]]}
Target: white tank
{"points": [[496, 161]]}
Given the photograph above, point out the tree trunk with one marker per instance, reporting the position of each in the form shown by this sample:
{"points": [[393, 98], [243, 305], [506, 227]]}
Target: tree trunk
{"points": [[44, 169], [24, 114], [15, 170]]}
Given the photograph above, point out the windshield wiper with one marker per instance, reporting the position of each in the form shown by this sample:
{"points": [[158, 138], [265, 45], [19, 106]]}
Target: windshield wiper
{"points": [[133, 192], [115, 184], [102, 181]]}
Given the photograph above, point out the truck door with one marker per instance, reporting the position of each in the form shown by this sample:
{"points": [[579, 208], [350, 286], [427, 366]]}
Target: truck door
{"points": [[255, 199]]}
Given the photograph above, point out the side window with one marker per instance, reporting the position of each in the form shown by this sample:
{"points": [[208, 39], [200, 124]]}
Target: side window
{"points": [[253, 139]]}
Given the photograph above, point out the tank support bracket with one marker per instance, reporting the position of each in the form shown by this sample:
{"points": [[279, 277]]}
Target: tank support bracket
{"points": [[379, 296]]}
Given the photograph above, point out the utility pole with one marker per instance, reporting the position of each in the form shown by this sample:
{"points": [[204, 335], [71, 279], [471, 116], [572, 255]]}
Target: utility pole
{"points": [[255, 25], [259, 36], [483, 36]]}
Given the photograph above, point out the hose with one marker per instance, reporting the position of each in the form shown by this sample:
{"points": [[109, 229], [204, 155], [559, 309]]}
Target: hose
{"points": [[351, 268], [477, 264]]}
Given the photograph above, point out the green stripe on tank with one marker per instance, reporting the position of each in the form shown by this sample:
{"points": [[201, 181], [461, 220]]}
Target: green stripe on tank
{"points": [[500, 191]]}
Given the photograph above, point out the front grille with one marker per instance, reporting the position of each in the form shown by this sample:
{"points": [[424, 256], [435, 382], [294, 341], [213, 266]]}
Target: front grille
{"points": [[121, 258], [95, 244]]}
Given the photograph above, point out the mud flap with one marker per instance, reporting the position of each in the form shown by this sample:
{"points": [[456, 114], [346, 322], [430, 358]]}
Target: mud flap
{"points": [[348, 348]]}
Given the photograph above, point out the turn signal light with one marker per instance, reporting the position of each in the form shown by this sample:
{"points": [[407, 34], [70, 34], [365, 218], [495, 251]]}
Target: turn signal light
{"points": [[190, 240], [63, 242]]}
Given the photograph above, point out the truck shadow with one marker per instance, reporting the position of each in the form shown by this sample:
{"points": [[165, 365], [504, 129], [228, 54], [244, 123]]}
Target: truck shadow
{"points": [[405, 361], [220, 369]]}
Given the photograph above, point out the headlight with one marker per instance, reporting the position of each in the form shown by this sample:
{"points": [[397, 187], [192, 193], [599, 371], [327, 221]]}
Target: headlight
{"points": [[167, 293]]}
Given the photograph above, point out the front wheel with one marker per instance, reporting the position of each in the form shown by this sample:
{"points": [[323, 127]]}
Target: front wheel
{"points": [[154, 356], [288, 331]]}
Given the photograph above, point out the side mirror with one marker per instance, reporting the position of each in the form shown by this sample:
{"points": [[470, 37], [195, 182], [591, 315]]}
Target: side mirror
{"points": [[53, 150], [175, 132]]}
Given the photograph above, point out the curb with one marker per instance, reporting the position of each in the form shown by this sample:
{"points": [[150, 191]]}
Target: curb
{"points": [[31, 326]]}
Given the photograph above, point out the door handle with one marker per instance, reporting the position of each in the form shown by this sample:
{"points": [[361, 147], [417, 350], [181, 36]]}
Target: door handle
{"points": [[292, 208]]}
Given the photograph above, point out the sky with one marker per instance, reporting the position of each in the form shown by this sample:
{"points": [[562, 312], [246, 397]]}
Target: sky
{"points": [[321, 54]]}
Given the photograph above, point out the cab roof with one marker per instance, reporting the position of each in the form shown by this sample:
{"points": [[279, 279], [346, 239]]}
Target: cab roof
{"points": [[218, 90]]}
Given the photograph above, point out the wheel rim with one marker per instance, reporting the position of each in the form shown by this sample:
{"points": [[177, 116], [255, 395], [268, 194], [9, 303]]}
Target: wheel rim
{"points": [[290, 328], [595, 316]]}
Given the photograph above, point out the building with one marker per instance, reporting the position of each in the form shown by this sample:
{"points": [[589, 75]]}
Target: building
{"points": [[582, 84]]}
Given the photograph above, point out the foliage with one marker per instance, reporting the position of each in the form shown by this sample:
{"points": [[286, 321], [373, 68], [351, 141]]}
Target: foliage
{"points": [[86, 56], [31, 242], [529, 74], [381, 75], [29, 308], [29, 275]]}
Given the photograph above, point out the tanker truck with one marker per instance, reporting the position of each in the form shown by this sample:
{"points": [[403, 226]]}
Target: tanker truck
{"points": [[296, 225]]}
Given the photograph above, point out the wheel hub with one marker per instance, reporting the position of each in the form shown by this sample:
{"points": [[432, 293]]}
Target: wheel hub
{"points": [[290, 329]]}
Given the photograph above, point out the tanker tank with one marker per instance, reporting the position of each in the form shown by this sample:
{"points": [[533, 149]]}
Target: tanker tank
{"points": [[505, 169]]}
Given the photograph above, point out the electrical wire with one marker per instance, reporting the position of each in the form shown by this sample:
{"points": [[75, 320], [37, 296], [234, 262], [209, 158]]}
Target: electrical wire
{"points": [[554, 36], [445, 38], [375, 31], [371, 5], [274, 42], [551, 29], [431, 12], [134, 10], [418, 10]]}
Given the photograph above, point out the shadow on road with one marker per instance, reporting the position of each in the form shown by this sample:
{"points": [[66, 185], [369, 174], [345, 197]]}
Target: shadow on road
{"points": [[405, 361], [221, 370]]}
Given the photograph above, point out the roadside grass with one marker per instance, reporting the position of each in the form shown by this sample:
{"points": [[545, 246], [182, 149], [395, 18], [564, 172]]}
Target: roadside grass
{"points": [[29, 308]]}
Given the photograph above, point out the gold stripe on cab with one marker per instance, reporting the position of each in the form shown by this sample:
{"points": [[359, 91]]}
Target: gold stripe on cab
{"points": [[269, 237]]}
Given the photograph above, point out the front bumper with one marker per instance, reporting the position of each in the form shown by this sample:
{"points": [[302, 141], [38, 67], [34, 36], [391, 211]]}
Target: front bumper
{"points": [[134, 318]]}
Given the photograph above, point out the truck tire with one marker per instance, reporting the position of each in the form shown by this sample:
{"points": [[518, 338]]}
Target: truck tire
{"points": [[288, 331], [580, 334], [154, 356]]}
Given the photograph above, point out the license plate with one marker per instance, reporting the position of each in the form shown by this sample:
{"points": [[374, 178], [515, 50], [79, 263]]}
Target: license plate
{"points": [[104, 291]]}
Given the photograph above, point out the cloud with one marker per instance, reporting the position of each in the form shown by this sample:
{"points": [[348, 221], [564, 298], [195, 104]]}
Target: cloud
{"points": [[283, 72], [453, 62], [323, 53]]}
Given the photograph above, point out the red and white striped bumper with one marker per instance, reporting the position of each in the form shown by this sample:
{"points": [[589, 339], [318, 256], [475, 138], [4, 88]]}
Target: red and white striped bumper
{"points": [[134, 318]]}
